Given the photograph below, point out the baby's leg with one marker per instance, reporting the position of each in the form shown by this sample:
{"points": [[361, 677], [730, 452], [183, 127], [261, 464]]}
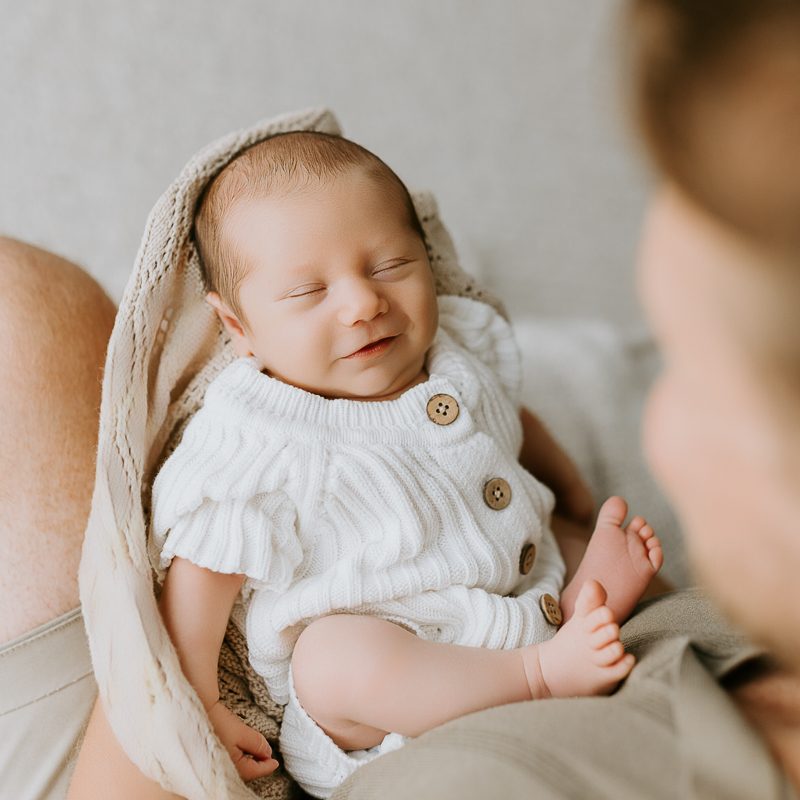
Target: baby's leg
{"points": [[360, 677], [623, 560]]}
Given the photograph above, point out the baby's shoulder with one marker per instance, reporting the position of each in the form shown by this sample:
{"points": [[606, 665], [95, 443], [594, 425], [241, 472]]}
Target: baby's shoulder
{"points": [[227, 448], [485, 336], [474, 325]]}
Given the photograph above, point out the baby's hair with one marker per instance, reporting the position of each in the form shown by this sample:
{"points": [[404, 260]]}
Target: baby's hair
{"points": [[280, 164]]}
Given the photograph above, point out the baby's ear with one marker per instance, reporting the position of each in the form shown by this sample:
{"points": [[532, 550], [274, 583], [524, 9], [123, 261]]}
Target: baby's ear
{"points": [[235, 329]]}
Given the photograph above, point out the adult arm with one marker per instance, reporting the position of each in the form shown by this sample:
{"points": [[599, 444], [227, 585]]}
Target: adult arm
{"points": [[104, 770]]}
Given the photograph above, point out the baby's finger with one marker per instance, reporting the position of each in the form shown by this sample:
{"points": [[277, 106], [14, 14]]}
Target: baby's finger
{"points": [[249, 768], [254, 743]]}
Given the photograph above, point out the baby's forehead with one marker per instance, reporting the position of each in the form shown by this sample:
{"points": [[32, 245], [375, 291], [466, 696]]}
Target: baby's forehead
{"points": [[286, 223], [281, 193]]}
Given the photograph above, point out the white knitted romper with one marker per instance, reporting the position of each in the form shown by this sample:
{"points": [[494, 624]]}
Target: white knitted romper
{"points": [[415, 510]]}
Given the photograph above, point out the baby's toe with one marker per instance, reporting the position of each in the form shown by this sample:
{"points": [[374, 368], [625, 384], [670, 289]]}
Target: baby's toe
{"points": [[647, 534], [655, 554], [604, 635], [612, 512], [622, 668], [608, 655], [590, 598], [599, 618], [636, 525]]}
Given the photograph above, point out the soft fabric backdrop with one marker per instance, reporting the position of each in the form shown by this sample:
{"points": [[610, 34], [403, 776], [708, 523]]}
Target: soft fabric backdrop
{"points": [[506, 110]]}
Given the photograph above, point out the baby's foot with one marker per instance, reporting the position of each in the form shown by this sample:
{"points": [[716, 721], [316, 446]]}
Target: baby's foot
{"points": [[585, 657], [624, 560]]}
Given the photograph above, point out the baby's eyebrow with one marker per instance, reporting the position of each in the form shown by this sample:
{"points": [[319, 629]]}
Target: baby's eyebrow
{"points": [[299, 267], [298, 274]]}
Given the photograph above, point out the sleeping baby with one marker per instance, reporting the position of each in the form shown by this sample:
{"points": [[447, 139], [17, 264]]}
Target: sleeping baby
{"points": [[353, 478]]}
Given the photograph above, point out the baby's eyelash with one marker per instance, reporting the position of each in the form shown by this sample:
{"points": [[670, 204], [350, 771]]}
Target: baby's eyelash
{"points": [[307, 292], [392, 266], [379, 269]]}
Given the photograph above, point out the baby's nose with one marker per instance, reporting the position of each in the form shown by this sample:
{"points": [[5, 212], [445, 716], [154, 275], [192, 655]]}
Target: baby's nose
{"points": [[361, 304]]}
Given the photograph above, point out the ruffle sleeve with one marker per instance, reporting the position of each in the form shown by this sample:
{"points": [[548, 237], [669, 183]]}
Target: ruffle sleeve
{"points": [[255, 537], [221, 501], [480, 330]]}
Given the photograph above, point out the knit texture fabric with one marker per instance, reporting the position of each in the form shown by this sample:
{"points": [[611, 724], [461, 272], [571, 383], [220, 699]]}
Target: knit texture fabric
{"points": [[166, 347], [344, 505]]}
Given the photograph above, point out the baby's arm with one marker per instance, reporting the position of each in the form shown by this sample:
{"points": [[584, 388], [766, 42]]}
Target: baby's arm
{"points": [[544, 458], [195, 604]]}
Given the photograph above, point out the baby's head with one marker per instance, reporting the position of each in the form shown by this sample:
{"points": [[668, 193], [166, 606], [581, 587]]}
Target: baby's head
{"points": [[317, 266]]}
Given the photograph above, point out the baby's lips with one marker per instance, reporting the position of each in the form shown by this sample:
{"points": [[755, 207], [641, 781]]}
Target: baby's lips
{"points": [[372, 342]]}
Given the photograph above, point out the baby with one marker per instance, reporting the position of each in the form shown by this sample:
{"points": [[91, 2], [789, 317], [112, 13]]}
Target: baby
{"points": [[353, 477]]}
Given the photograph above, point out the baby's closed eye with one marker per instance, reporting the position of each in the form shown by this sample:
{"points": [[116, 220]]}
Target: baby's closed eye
{"points": [[306, 291], [394, 268]]}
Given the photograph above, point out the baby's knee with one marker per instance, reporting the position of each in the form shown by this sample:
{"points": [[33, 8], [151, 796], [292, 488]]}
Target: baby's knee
{"points": [[333, 659], [316, 664], [323, 646]]}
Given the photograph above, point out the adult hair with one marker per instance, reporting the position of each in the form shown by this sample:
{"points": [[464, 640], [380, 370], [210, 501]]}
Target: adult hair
{"points": [[715, 89], [716, 94], [278, 165]]}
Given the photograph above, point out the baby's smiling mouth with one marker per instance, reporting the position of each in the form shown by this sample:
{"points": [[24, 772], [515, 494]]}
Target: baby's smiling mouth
{"points": [[373, 348]]}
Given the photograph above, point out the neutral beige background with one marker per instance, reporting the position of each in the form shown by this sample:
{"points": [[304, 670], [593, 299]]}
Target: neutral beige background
{"points": [[506, 110]]}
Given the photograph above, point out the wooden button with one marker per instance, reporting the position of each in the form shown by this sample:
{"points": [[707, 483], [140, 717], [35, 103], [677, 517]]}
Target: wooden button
{"points": [[527, 557], [497, 493], [551, 609], [442, 409]]}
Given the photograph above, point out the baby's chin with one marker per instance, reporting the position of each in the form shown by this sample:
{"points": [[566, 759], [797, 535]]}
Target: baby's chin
{"points": [[402, 387], [375, 390], [375, 384]]}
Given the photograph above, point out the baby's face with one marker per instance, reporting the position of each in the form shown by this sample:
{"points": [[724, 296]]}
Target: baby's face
{"points": [[339, 298]]}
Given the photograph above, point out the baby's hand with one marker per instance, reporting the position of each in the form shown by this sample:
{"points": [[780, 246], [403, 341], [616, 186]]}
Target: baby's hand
{"points": [[248, 749]]}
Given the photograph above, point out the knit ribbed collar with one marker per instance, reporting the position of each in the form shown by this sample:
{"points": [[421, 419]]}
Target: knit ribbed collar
{"points": [[243, 394]]}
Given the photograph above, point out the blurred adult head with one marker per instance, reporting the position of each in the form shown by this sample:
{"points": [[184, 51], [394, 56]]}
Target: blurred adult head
{"points": [[716, 96]]}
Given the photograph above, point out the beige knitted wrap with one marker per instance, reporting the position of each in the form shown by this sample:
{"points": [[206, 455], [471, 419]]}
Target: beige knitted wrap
{"points": [[165, 348]]}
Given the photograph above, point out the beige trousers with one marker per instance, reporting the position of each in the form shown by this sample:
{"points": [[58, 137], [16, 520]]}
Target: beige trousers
{"points": [[670, 733], [46, 693]]}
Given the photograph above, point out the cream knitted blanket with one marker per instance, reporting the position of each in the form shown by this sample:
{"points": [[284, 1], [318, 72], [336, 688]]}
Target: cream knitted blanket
{"points": [[165, 348]]}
